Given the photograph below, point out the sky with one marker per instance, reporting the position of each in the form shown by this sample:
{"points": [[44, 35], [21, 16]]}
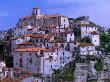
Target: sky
{"points": [[12, 10]]}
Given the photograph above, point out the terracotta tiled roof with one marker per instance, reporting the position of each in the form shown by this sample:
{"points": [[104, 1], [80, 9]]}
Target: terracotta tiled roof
{"points": [[27, 35], [94, 33], [25, 17], [51, 16], [35, 8], [9, 79], [49, 58], [21, 70], [86, 25], [46, 36], [85, 44], [53, 26], [7, 69], [66, 32], [26, 43], [38, 35], [33, 50], [24, 73]]}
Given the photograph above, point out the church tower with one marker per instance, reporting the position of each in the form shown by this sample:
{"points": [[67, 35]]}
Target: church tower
{"points": [[36, 11]]}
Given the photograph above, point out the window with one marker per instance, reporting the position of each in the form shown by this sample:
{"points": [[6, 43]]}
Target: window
{"points": [[57, 53], [64, 25], [70, 39], [30, 60], [20, 54], [64, 20], [51, 66], [44, 21], [36, 40], [40, 40], [47, 45], [35, 63], [63, 53], [30, 54], [35, 54], [20, 60]]}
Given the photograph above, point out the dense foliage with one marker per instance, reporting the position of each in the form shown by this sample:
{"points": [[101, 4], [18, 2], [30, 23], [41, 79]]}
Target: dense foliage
{"points": [[105, 41], [4, 55], [65, 74], [99, 65]]}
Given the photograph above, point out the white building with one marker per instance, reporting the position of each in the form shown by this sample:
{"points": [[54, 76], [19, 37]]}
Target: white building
{"points": [[5, 71], [2, 65], [31, 79], [95, 38], [41, 60], [19, 31], [43, 20], [56, 60], [26, 76], [86, 29], [87, 48], [70, 37]]}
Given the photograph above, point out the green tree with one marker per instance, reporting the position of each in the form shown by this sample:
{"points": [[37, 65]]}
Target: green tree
{"points": [[99, 68], [105, 41], [99, 65], [77, 58], [77, 32], [84, 40]]}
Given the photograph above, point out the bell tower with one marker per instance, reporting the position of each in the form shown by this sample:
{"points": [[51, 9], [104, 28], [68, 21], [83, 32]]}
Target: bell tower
{"points": [[35, 11]]}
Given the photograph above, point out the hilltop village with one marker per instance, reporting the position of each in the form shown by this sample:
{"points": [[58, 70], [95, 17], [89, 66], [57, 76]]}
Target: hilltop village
{"points": [[54, 48]]}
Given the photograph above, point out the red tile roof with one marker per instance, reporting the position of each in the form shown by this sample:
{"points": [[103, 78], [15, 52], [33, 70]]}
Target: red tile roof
{"points": [[51, 16], [27, 35], [53, 26], [9, 79], [85, 44], [35, 8], [33, 50], [23, 73], [49, 58], [21, 70], [45, 36], [26, 43], [48, 36], [94, 33], [86, 25], [26, 17]]}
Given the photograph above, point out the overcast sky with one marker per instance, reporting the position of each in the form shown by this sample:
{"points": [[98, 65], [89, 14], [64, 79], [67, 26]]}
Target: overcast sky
{"points": [[12, 10]]}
